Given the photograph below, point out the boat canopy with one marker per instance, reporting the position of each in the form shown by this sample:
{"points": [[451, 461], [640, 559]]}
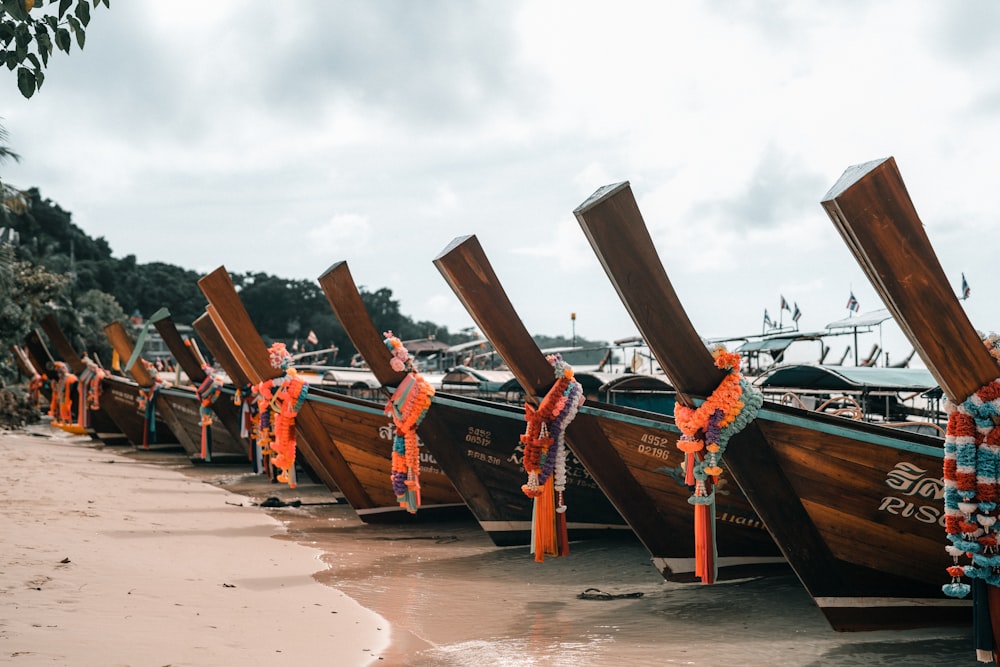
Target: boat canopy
{"points": [[481, 380], [774, 345], [848, 378], [867, 320], [637, 382]]}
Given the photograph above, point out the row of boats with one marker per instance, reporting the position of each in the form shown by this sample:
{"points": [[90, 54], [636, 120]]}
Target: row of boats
{"points": [[854, 508]]}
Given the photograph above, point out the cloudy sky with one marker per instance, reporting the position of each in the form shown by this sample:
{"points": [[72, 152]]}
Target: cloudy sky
{"points": [[283, 137]]}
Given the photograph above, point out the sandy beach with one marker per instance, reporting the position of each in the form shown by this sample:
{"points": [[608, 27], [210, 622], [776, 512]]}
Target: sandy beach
{"points": [[168, 563], [108, 560]]}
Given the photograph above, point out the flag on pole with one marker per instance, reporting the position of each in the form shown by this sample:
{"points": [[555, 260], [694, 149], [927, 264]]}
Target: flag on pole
{"points": [[767, 320], [312, 337], [796, 314], [784, 304], [852, 303], [966, 290]]}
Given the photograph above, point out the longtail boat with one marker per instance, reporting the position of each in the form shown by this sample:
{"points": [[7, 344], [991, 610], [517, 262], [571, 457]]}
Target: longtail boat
{"points": [[630, 453], [36, 380], [871, 208], [150, 423], [476, 442], [346, 440], [849, 503], [89, 388], [240, 385], [224, 443], [40, 357]]}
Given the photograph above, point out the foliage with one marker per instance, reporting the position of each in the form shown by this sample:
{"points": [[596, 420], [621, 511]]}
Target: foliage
{"points": [[27, 293], [16, 409], [84, 323], [27, 39], [10, 198]]}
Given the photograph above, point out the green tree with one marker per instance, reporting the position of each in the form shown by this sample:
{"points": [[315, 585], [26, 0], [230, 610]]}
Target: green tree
{"points": [[93, 311], [27, 293], [28, 39], [11, 199]]}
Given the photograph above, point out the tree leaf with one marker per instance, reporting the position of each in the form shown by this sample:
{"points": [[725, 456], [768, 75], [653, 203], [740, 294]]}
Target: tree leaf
{"points": [[6, 31], [77, 29], [63, 40], [63, 6], [22, 36], [26, 82], [82, 12], [13, 7], [43, 42]]}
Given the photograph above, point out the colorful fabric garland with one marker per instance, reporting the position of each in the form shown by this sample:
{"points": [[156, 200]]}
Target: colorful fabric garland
{"points": [[971, 497], [61, 406], [208, 392], [279, 401], [147, 403], [706, 431], [407, 407], [544, 459]]}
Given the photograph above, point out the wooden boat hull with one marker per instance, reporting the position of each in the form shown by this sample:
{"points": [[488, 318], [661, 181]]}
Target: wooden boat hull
{"points": [[363, 435], [476, 443], [120, 400], [875, 496], [850, 504], [630, 453], [96, 423], [479, 441], [340, 438], [644, 447], [184, 404]]}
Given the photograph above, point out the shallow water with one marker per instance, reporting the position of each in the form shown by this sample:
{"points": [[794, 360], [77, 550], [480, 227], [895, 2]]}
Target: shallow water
{"points": [[454, 600]]}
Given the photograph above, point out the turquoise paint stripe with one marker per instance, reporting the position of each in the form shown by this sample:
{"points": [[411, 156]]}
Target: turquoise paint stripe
{"points": [[863, 436], [485, 409], [179, 393], [344, 404], [630, 419]]}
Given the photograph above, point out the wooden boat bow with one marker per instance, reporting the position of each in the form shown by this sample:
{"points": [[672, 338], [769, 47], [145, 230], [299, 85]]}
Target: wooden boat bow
{"points": [[611, 220], [465, 267], [871, 208]]}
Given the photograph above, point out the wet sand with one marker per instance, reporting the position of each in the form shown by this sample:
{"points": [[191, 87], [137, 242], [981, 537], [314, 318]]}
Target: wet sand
{"points": [[444, 596]]}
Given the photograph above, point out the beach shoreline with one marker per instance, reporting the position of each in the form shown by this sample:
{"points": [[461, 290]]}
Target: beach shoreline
{"points": [[108, 559], [172, 563]]}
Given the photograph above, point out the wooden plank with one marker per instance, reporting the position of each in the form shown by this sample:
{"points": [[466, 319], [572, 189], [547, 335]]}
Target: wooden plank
{"points": [[345, 299], [617, 232], [39, 353], [217, 347], [23, 361], [871, 208], [62, 345], [186, 359]]}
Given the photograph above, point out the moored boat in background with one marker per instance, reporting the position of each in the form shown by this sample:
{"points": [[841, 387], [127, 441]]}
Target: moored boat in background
{"points": [[89, 388]]}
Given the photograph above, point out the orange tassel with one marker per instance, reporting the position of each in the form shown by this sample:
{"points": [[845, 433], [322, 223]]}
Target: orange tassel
{"points": [[545, 524], [704, 543]]}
